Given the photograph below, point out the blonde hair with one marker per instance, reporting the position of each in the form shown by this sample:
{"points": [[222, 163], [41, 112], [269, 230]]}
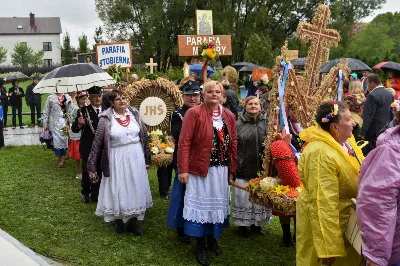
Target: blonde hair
{"points": [[392, 91], [211, 84], [355, 87]]}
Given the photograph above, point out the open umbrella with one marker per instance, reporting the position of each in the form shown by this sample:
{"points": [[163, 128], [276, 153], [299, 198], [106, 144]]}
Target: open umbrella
{"points": [[239, 65], [388, 66], [299, 63], [248, 69], [354, 65], [81, 76], [16, 76], [198, 69]]}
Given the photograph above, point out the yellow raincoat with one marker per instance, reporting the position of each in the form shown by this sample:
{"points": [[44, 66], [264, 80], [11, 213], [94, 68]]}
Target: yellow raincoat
{"points": [[330, 177]]}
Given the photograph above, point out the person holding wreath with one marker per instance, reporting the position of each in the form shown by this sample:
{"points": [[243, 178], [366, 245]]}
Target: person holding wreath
{"points": [[207, 160]]}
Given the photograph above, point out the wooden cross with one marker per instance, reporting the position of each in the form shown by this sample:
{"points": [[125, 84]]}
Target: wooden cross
{"points": [[321, 40], [306, 92], [151, 65]]}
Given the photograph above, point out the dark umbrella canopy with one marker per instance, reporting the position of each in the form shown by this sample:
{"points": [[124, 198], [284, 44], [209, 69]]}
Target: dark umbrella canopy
{"points": [[240, 65], [16, 76], [388, 66], [81, 76], [354, 65], [299, 63], [248, 69]]}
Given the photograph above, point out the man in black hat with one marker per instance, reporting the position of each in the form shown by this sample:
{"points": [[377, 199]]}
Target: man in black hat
{"points": [[86, 121], [191, 98], [34, 101]]}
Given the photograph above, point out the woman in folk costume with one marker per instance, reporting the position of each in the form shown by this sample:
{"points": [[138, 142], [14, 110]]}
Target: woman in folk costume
{"points": [[122, 146], [329, 167], [378, 201], [355, 100], [55, 118], [207, 158], [252, 127]]}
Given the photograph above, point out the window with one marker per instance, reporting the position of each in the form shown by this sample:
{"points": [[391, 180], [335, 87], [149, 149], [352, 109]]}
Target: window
{"points": [[48, 62], [47, 46]]}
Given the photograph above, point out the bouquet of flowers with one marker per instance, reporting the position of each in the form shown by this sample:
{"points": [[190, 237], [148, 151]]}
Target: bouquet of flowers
{"points": [[161, 147], [65, 130], [270, 192], [208, 52]]}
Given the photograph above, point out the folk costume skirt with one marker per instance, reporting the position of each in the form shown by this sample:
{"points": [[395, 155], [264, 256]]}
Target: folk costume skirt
{"points": [[206, 203], [246, 213], [175, 209]]}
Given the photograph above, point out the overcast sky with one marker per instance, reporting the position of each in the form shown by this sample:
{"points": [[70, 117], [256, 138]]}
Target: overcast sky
{"points": [[79, 16]]}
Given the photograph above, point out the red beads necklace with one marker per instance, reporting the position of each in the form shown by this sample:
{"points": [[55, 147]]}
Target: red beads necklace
{"points": [[124, 123], [216, 114]]}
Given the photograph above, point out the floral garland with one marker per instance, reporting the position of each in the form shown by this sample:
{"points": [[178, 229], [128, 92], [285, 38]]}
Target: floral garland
{"points": [[334, 112]]}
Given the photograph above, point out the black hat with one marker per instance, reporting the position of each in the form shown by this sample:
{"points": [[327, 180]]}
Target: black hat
{"points": [[94, 90], [191, 87], [35, 77]]}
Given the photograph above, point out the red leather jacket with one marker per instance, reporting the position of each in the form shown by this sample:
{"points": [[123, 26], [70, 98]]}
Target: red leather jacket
{"points": [[195, 141]]}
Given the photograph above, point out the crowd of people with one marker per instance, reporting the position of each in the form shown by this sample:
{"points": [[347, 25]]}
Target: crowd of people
{"points": [[216, 145]]}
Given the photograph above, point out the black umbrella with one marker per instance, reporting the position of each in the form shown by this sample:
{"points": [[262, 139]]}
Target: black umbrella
{"points": [[240, 65], [354, 65], [81, 76], [388, 66], [16, 76], [299, 63], [248, 69]]}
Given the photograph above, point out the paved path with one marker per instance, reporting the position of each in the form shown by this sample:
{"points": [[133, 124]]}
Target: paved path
{"points": [[22, 137], [14, 253]]}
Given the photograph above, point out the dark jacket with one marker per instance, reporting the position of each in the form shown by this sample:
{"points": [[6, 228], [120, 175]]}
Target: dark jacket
{"points": [[391, 124], [251, 88], [3, 97], [376, 113], [16, 99], [251, 135], [87, 135], [101, 143], [231, 100], [296, 140], [264, 99], [195, 141], [32, 98], [175, 127]]}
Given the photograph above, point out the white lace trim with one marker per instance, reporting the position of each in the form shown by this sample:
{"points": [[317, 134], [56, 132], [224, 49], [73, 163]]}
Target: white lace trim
{"points": [[111, 214], [205, 210]]}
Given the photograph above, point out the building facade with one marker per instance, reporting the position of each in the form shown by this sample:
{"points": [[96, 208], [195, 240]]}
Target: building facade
{"points": [[37, 33]]}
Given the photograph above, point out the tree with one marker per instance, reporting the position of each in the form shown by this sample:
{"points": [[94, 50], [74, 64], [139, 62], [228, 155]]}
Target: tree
{"points": [[98, 35], [372, 43], [66, 50], [259, 51], [153, 25], [22, 55], [83, 44], [37, 58], [3, 54]]}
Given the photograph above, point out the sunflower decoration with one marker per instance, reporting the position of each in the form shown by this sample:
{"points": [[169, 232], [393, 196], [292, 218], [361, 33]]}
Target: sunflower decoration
{"points": [[208, 52]]}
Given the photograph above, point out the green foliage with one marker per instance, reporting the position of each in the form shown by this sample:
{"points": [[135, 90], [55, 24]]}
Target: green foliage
{"points": [[83, 44], [153, 25], [3, 54], [23, 56], [37, 58], [41, 207], [66, 50], [372, 43], [98, 35]]}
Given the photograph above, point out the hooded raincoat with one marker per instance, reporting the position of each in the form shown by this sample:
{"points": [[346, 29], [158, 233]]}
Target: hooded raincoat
{"points": [[378, 202], [330, 176]]}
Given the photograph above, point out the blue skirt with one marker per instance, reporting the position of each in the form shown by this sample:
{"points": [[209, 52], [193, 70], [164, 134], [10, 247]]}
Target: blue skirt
{"points": [[175, 215], [175, 209]]}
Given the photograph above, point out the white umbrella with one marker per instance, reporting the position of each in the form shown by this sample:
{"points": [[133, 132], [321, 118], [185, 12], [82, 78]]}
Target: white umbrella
{"points": [[75, 77]]}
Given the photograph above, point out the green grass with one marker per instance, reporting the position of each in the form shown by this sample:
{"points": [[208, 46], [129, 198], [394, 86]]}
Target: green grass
{"points": [[40, 205], [26, 119]]}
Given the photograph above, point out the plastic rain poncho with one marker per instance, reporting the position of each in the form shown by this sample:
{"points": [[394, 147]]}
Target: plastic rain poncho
{"points": [[330, 176], [378, 202]]}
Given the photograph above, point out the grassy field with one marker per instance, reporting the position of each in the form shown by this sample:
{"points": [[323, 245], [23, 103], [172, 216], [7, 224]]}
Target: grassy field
{"points": [[26, 119], [40, 205]]}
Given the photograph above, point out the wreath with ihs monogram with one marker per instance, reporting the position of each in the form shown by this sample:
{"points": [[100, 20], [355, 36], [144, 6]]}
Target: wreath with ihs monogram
{"points": [[153, 86]]}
